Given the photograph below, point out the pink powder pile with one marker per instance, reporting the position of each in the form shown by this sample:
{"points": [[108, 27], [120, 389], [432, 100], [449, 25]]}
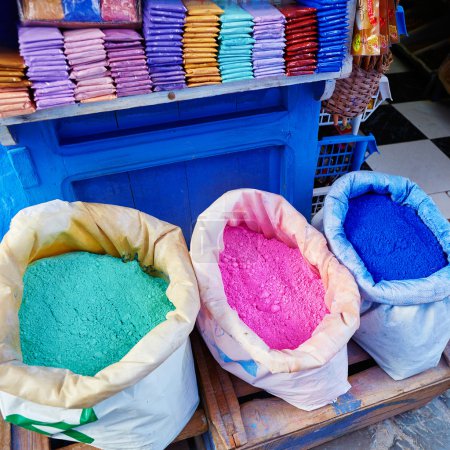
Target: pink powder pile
{"points": [[272, 287]]}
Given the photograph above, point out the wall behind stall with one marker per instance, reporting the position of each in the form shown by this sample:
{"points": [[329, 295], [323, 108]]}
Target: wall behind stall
{"points": [[8, 23]]}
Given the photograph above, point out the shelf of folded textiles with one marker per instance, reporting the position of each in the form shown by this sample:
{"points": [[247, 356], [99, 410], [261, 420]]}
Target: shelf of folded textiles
{"points": [[157, 98]]}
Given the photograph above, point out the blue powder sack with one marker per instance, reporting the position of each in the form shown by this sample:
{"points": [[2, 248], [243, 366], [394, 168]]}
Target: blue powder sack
{"points": [[384, 228], [391, 239]]}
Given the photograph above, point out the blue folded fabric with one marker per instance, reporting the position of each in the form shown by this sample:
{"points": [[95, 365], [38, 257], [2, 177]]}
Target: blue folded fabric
{"points": [[81, 10]]}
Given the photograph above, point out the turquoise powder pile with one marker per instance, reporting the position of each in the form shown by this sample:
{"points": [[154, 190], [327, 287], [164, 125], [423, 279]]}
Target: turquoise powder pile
{"points": [[83, 312]]}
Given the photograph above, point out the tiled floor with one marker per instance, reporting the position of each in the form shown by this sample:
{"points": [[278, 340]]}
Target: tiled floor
{"points": [[413, 136]]}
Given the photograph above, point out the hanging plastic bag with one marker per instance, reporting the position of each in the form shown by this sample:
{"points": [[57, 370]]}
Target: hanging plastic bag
{"points": [[315, 373], [144, 400], [405, 324]]}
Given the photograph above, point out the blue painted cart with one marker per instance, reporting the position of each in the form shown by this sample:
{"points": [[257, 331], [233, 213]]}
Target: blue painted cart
{"points": [[168, 154]]}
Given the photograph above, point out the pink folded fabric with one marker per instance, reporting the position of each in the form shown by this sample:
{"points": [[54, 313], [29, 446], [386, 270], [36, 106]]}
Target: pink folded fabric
{"points": [[85, 49], [100, 98], [95, 81], [86, 73], [129, 52], [85, 60], [73, 45], [128, 73], [83, 35], [95, 93]]}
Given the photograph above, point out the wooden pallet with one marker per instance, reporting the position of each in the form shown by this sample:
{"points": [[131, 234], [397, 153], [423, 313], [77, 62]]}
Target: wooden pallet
{"points": [[243, 416]]}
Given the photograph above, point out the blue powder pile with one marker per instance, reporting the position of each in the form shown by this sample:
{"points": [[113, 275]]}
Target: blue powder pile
{"points": [[81, 311], [391, 239]]}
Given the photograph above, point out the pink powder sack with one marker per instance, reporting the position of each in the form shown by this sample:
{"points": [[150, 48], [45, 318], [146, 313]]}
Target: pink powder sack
{"points": [[271, 286]]}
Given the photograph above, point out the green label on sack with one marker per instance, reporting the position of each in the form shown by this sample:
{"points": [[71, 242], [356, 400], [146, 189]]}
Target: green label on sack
{"points": [[87, 416]]}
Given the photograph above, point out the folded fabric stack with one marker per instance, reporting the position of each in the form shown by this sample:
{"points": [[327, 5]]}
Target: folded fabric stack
{"points": [[236, 43], [200, 42], [333, 33], [163, 30], [42, 50], [301, 39], [14, 93], [268, 32], [119, 10], [127, 62], [85, 51]]}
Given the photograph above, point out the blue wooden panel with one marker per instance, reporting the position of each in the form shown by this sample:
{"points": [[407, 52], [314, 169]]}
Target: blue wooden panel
{"points": [[257, 100], [162, 192], [113, 189], [20, 159], [12, 194], [71, 130], [209, 178], [148, 116]]}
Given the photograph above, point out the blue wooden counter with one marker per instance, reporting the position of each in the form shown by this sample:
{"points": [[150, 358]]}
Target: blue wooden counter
{"points": [[171, 160]]}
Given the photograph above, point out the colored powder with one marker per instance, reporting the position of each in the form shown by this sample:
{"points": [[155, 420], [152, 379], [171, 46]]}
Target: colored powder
{"points": [[272, 287], [391, 239], [81, 311]]}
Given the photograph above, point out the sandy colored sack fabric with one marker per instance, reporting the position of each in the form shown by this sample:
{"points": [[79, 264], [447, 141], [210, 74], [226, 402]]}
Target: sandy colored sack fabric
{"points": [[59, 227], [43, 10], [311, 375]]}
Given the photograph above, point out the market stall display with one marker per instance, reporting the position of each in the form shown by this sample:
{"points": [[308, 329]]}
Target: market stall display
{"points": [[163, 28], [127, 62], [48, 71]]}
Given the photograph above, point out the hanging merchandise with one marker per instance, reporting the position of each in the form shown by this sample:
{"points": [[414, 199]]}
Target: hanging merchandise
{"points": [[144, 399], [400, 260], [366, 32], [42, 50], [163, 29], [255, 257]]}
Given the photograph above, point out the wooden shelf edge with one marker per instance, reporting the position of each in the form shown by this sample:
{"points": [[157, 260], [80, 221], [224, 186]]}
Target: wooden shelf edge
{"points": [[157, 98]]}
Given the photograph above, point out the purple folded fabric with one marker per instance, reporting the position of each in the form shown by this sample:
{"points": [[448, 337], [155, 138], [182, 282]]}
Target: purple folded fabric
{"points": [[125, 73], [168, 68], [43, 104], [31, 34], [163, 35], [88, 49], [164, 49], [165, 60], [165, 5], [121, 35], [267, 62], [83, 35], [122, 64], [75, 44], [42, 52], [102, 63], [268, 54], [166, 14], [125, 58], [114, 45], [126, 52], [169, 87]]}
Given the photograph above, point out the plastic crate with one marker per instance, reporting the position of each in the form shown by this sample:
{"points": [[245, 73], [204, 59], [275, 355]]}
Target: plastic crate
{"points": [[381, 96], [338, 155]]}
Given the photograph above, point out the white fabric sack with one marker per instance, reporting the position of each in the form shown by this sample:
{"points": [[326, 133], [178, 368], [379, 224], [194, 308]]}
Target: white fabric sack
{"points": [[405, 324], [315, 373], [144, 400]]}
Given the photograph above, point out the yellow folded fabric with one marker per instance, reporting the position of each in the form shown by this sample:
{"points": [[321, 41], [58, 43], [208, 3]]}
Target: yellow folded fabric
{"points": [[206, 78], [19, 112], [202, 71], [43, 10], [199, 65], [196, 51], [9, 79], [201, 19], [202, 8], [199, 60], [201, 84], [208, 40], [191, 35], [11, 73], [193, 45], [15, 84], [212, 30], [11, 59], [202, 56]]}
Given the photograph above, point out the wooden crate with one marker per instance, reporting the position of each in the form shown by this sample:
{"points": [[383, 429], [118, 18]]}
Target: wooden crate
{"points": [[242, 416]]}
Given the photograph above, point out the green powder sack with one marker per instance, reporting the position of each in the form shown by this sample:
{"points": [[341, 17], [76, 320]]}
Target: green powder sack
{"points": [[81, 311]]}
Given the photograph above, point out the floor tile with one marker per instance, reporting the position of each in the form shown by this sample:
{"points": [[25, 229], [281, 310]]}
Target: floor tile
{"points": [[431, 118], [421, 161], [443, 144], [389, 126], [407, 86], [442, 200]]}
